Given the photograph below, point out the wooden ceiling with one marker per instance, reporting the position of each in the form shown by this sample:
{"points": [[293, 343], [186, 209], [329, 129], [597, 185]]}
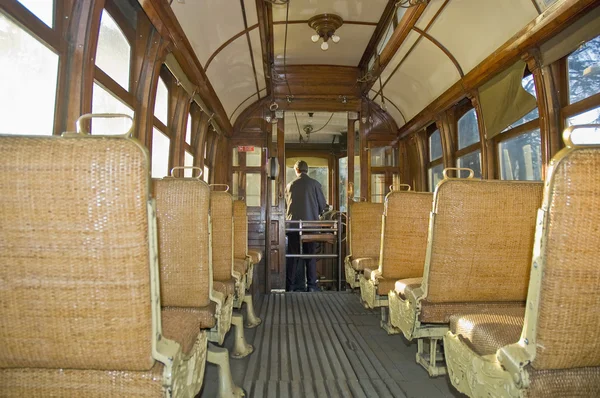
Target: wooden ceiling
{"points": [[252, 49]]}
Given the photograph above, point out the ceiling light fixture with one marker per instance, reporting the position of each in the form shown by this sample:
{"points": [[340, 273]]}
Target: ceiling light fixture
{"points": [[325, 26]]}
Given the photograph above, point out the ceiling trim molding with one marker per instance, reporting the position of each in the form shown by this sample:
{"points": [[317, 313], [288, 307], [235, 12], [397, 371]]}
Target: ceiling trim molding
{"points": [[552, 21], [265, 27], [391, 102], [441, 47], [386, 17], [228, 42], [250, 47]]}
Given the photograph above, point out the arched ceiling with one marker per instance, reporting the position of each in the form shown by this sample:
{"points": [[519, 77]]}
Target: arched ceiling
{"points": [[446, 40]]}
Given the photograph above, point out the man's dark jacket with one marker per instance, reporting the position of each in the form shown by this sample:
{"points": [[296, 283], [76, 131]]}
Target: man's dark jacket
{"points": [[304, 199]]}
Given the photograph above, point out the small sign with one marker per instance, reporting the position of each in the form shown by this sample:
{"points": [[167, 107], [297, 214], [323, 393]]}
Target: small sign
{"points": [[245, 148]]}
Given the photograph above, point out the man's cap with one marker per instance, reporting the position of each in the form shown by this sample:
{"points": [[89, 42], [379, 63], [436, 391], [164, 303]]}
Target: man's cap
{"points": [[302, 166]]}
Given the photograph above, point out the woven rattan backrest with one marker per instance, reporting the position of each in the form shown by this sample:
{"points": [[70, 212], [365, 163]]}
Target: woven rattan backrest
{"points": [[569, 311], [74, 254], [182, 218], [221, 213], [406, 222], [482, 240], [240, 232], [365, 229]]}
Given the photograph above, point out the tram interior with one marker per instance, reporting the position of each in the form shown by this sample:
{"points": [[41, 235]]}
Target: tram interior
{"points": [[145, 150]]}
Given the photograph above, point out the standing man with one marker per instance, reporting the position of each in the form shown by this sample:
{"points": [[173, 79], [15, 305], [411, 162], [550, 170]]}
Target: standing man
{"points": [[304, 201]]}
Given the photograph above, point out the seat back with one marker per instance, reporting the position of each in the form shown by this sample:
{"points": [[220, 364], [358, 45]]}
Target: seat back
{"points": [[74, 254], [182, 221], [564, 292], [481, 240], [365, 229], [221, 214], [240, 232], [404, 241]]}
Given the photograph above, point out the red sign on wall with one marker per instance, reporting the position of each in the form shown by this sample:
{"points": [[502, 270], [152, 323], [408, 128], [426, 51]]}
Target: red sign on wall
{"points": [[245, 148]]}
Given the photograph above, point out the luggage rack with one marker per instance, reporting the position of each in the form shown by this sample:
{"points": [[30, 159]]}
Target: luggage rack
{"points": [[326, 231]]}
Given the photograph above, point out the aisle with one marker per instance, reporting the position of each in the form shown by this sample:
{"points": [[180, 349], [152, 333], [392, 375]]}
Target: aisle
{"points": [[327, 345]]}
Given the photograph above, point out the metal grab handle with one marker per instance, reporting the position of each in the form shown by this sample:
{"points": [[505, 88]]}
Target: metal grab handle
{"points": [[187, 168], [87, 116], [361, 199], [445, 172], [350, 189], [220, 185], [400, 186], [567, 135]]}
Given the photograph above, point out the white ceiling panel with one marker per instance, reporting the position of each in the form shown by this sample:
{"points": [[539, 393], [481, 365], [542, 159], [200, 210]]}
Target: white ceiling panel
{"points": [[231, 74], [397, 58], [301, 50], [349, 10], [257, 53], [242, 107], [425, 75], [473, 29], [429, 13], [209, 23], [251, 14], [392, 108]]}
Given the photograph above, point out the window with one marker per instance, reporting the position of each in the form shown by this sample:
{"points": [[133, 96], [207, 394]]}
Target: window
{"points": [[114, 52], [383, 169], [520, 157], [188, 130], [43, 9], [435, 166], [343, 183], [27, 65], [583, 68], [113, 57], [253, 185], [188, 161], [161, 104], [160, 154], [104, 101], [469, 151]]}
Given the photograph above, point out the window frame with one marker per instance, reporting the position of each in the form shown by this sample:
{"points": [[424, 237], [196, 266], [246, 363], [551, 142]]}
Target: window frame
{"points": [[459, 112], [430, 164]]}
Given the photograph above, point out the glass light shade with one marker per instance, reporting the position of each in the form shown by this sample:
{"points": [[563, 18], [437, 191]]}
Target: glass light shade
{"points": [[315, 38], [335, 38], [324, 46]]}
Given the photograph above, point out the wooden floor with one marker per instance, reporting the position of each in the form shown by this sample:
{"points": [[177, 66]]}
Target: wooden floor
{"points": [[326, 345]]}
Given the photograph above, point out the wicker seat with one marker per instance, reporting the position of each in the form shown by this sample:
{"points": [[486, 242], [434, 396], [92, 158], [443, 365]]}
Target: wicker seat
{"points": [[80, 299], [554, 349], [182, 207], [243, 262], [403, 243], [231, 283], [364, 237], [478, 254]]}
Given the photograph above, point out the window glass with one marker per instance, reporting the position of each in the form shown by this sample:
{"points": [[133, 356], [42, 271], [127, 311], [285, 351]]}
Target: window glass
{"points": [[435, 146], [235, 159], [584, 71], [529, 86], [356, 177], [386, 37], [104, 102], [521, 157], [274, 193], [253, 182], [377, 188], [468, 131], [236, 183], [591, 116], [435, 175], [471, 161], [160, 154], [161, 106], [188, 130], [253, 158], [206, 174], [114, 52], [43, 9], [378, 157], [343, 185], [188, 161], [28, 72]]}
